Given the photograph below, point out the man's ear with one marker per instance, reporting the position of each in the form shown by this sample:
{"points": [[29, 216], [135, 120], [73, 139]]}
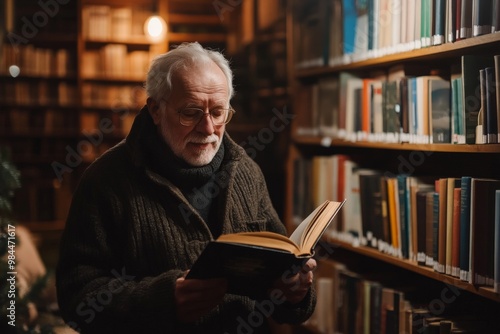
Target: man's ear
{"points": [[154, 110]]}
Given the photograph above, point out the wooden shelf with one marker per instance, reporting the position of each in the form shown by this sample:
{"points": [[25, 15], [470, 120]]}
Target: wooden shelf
{"points": [[129, 41], [117, 80], [424, 54], [450, 148], [421, 270], [178, 37], [174, 18]]}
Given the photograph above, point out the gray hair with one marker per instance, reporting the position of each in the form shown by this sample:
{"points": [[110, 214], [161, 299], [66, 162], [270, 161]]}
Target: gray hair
{"points": [[159, 77]]}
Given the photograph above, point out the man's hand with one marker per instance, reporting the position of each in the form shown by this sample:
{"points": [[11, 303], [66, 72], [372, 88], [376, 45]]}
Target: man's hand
{"points": [[196, 297], [295, 288]]}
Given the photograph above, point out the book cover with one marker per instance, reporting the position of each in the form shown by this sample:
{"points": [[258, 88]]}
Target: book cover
{"points": [[404, 215], [482, 17], [328, 106], [429, 229], [466, 19], [422, 226], [491, 106], [335, 31], [471, 65], [465, 185], [371, 206], [496, 256], [439, 20], [455, 252], [350, 17], [452, 183], [482, 230], [442, 189], [390, 105], [497, 85], [439, 110], [251, 261], [495, 22]]}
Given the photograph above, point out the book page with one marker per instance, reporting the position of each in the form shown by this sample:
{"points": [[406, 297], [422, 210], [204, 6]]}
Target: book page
{"points": [[307, 234], [262, 239]]}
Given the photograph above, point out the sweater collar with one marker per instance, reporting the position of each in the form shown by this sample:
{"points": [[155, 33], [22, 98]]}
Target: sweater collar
{"points": [[150, 151]]}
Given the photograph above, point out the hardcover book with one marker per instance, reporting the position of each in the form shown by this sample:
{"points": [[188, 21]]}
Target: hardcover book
{"points": [[251, 261]]}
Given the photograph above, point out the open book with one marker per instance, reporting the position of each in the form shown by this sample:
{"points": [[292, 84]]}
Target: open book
{"points": [[251, 261]]}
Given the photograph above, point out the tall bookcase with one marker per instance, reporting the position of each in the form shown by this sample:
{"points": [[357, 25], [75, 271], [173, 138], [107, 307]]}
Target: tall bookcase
{"points": [[82, 67], [334, 56]]}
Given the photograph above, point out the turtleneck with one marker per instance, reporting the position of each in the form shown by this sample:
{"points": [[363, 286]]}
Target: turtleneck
{"points": [[191, 180]]}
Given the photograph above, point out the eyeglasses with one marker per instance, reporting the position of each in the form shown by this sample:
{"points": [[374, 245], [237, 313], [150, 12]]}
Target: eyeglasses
{"points": [[191, 116]]}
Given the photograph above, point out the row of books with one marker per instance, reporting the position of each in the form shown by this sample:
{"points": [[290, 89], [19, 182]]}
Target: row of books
{"points": [[113, 96], [350, 302], [447, 224], [119, 123], [101, 22], [332, 32], [34, 61], [115, 61], [39, 93], [402, 105], [48, 121]]}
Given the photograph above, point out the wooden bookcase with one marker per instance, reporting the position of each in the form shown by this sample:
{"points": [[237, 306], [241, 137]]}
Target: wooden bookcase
{"points": [[83, 65], [438, 160]]}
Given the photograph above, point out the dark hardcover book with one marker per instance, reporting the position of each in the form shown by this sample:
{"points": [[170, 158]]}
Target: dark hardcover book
{"points": [[482, 18], [328, 106], [404, 105], [456, 240], [371, 206], [491, 106], [435, 228], [471, 65], [466, 19], [390, 105], [439, 110], [422, 226], [452, 21], [404, 215], [439, 19], [482, 120], [482, 230], [335, 30], [251, 261], [375, 305], [442, 189], [465, 227], [496, 256], [495, 21], [429, 229], [458, 19], [385, 211], [497, 85]]}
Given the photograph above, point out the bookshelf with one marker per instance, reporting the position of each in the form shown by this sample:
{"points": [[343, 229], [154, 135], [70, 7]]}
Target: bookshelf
{"points": [[79, 87], [257, 49], [332, 155], [39, 101]]}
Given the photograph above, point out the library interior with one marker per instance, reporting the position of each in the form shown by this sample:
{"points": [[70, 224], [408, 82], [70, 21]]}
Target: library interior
{"points": [[390, 105]]}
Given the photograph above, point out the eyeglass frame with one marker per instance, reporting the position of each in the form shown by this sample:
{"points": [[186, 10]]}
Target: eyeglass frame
{"points": [[230, 112]]}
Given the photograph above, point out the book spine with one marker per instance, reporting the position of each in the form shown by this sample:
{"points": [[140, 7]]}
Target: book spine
{"points": [[455, 261], [491, 106], [465, 227], [496, 257]]}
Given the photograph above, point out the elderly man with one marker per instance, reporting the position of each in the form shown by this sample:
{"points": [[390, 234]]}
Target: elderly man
{"points": [[146, 209]]}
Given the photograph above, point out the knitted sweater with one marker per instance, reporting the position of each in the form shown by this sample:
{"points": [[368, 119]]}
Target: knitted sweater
{"points": [[131, 233]]}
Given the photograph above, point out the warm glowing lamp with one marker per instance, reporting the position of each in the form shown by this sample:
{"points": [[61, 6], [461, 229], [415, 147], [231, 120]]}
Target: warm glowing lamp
{"points": [[155, 28]]}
